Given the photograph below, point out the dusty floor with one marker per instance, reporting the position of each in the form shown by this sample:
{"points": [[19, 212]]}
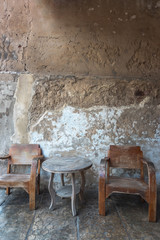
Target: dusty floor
{"points": [[127, 218]]}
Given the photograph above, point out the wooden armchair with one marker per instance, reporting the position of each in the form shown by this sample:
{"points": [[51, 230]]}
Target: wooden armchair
{"points": [[130, 157], [20, 154]]}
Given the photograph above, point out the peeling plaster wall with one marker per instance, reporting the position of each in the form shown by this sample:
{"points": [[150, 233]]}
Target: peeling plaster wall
{"points": [[7, 89], [23, 98], [74, 127], [77, 76]]}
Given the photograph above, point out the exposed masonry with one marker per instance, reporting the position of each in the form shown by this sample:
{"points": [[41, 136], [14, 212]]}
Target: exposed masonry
{"points": [[86, 91]]}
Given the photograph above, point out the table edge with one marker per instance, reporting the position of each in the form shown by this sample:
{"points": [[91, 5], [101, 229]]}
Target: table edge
{"points": [[67, 171]]}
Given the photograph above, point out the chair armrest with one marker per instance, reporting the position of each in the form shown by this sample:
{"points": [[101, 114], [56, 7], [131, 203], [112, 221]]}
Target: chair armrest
{"points": [[102, 185], [5, 157], [150, 166], [34, 169], [34, 166], [38, 157], [102, 171], [151, 173]]}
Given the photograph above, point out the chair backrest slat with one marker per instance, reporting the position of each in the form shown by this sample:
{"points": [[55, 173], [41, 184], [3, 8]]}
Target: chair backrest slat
{"points": [[125, 157], [22, 154]]}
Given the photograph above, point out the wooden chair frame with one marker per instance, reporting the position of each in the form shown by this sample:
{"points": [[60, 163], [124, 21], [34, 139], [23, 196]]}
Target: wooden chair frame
{"points": [[130, 157], [27, 154]]}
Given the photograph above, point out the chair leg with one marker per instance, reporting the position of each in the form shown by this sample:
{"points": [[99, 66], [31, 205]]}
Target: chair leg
{"points": [[8, 171], [38, 184], [102, 199], [153, 208], [32, 195], [32, 200], [8, 190], [38, 178]]}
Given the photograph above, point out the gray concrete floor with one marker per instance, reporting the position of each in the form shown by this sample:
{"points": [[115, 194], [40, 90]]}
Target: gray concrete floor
{"points": [[127, 218]]}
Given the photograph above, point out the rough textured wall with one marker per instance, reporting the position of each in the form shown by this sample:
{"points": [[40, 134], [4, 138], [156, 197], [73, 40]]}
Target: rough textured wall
{"points": [[7, 90], [99, 37], [85, 115], [95, 37], [77, 76]]}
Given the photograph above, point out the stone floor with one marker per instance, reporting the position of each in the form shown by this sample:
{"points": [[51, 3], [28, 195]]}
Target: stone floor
{"points": [[127, 218]]}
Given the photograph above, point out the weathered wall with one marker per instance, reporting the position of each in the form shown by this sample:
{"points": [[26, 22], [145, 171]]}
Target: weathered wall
{"points": [[77, 76], [7, 89]]}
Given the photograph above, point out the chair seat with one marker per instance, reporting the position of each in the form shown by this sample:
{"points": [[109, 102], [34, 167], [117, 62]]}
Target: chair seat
{"points": [[18, 180], [126, 185]]}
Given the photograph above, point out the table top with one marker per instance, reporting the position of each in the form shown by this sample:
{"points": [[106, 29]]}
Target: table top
{"points": [[66, 164]]}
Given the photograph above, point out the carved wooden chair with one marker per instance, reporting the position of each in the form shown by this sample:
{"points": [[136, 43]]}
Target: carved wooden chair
{"points": [[130, 157], [19, 154]]}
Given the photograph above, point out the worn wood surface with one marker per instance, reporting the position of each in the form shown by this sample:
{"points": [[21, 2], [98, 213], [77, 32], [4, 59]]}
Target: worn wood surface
{"points": [[73, 197], [83, 182], [52, 192], [66, 191], [66, 165], [130, 157], [23, 154], [127, 185], [125, 157]]}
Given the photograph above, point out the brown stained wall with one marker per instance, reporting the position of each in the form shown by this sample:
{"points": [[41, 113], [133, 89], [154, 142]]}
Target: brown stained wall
{"points": [[92, 75], [99, 37], [117, 38], [85, 92]]}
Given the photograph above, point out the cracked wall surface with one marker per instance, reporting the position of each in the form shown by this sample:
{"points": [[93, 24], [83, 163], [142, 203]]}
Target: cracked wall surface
{"points": [[77, 76]]}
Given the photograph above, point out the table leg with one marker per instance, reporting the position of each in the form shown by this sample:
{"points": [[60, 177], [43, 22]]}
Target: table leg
{"points": [[52, 192], [62, 179], [73, 198], [81, 194]]}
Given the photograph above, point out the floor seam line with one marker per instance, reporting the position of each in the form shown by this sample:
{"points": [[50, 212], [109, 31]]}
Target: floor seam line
{"points": [[28, 231], [2, 203], [5, 200], [123, 224], [27, 234], [77, 227]]}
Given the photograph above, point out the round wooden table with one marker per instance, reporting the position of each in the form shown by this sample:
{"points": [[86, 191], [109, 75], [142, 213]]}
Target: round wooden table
{"points": [[64, 165]]}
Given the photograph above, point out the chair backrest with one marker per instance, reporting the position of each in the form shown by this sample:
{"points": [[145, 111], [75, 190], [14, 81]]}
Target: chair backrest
{"points": [[22, 154], [125, 157]]}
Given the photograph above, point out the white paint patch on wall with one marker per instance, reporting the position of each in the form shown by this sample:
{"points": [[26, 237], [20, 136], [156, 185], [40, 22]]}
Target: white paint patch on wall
{"points": [[89, 133]]}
